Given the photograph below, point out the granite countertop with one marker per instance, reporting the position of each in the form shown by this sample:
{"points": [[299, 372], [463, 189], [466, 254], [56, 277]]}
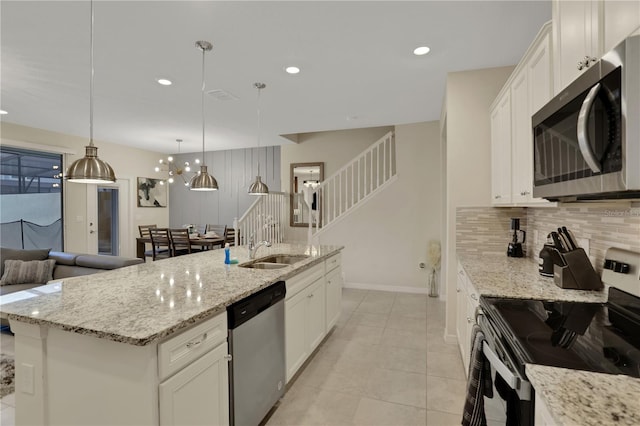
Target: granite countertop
{"points": [[583, 398], [518, 278], [143, 303]]}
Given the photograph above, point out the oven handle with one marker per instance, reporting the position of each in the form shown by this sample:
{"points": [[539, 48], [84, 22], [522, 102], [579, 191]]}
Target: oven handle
{"points": [[583, 136], [522, 387]]}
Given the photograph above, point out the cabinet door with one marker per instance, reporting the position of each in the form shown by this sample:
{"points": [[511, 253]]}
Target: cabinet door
{"points": [[501, 151], [199, 393], [333, 297], [522, 138], [315, 315], [295, 336], [621, 18], [576, 34], [461, 315]]}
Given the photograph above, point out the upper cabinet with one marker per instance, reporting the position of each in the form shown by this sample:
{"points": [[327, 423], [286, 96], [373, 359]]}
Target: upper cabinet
{"points": [[584, 30], [528, 88]]}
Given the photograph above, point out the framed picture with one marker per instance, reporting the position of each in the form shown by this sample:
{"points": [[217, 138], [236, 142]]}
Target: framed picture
{"points": [[152, 192]]}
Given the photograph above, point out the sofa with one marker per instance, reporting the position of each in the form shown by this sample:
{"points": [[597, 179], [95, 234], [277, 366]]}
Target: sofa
{"points": [[59, 265]]}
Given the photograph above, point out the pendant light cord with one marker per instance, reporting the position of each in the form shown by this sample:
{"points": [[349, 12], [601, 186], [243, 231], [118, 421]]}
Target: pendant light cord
{"points": [[259, 86], [202, 96], [91, 82]]}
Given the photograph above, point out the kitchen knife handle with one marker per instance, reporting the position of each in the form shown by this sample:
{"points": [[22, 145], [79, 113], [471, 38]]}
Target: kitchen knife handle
{"points": [[571, 238], [556, 241]]}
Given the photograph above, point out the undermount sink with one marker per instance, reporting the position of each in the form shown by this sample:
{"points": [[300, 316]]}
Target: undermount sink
{"points": [[274, 261], [288, 259], [263, 265]]}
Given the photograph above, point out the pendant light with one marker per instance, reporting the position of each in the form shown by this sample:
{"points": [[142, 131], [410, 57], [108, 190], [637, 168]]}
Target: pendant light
{"points": [[203, 181], [90, 169], [172, 168], [258, 187]]}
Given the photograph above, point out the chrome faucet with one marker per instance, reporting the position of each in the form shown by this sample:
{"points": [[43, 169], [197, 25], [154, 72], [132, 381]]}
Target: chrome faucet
{"points": [[253, 247]]}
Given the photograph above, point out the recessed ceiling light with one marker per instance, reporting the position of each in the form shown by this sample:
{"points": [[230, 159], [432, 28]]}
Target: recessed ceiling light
{"points": [[3, 112], [164, 82], [292, 70], [422, 50]]}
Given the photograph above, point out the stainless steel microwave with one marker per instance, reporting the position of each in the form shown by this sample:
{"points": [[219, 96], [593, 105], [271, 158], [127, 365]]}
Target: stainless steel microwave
{"points": [[586, 140]]}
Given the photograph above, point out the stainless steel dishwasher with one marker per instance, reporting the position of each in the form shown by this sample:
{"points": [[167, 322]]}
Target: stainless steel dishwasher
{"points": [[256, 344]]}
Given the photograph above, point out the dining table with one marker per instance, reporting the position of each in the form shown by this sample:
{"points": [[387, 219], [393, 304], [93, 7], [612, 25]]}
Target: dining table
{"points": [[203, 243]]}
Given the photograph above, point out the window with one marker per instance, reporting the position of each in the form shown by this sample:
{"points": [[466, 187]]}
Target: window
{"points": [[30, 199]]}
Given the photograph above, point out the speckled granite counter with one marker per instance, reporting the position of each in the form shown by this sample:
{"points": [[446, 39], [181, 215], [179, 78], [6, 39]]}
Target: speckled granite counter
{"points": [[142, 303], [583, 398], [502, 276]]}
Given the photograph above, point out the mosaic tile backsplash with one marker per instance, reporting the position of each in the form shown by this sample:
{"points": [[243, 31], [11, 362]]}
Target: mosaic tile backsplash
{"points": [[486, 229]]}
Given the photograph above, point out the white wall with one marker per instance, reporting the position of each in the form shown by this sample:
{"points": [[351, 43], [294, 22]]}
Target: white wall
{"points": [[468, 170], [234, 170], [387, 237], [128, 164]]}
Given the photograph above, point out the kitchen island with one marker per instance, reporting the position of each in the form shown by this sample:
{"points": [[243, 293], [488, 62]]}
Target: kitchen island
{"points": [[562, 396], [98, 349]]}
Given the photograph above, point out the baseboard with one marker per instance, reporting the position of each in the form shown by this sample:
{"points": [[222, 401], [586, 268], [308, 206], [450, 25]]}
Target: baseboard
{"points": [[398, 289], [450, 338]]}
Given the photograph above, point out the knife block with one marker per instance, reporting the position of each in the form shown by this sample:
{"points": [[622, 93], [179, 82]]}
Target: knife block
{"points": [[577, 272]]}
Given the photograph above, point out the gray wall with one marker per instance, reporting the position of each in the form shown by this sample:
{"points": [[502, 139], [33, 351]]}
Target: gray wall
{"points": [[234, 170]]}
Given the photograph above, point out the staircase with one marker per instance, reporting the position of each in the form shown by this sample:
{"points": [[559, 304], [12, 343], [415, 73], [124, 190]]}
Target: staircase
{"points": [[339, 194], [355, 183], [265, 219]]}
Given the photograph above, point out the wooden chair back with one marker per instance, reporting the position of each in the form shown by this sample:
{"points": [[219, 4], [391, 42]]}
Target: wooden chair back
{"points": [[160, 243], [230, 236], [144, 230], [221, 230], [180, 243]]}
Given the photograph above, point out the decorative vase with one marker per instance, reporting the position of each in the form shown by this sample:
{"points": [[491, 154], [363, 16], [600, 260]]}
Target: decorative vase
{"points": [[433, 284]]}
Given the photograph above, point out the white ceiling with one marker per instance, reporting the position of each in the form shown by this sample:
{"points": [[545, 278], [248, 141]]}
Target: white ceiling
{"points": [[358, 69]]}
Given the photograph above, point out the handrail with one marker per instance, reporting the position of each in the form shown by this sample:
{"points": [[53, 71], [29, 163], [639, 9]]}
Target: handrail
{"points": [[265, 219]]}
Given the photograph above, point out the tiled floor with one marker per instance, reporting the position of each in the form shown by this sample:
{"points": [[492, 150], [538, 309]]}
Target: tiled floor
{"points": [[386, 363]]}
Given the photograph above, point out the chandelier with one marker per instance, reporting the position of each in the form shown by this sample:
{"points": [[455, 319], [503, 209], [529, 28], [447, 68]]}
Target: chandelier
{"points": [[174, 170]]}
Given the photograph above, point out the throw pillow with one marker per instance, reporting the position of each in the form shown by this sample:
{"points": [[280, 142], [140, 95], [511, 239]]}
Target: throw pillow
{"points": [[29, 272], [21, 254]]}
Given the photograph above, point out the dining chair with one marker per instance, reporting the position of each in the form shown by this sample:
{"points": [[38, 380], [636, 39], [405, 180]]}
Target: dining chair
{"points": [[160, 243], [230, 236], [144, 233], [180, 243], [220, 230]]}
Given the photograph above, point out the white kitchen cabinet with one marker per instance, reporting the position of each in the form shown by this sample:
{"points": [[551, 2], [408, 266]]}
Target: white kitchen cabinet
{"points": [[501, 151], [527, 90], [333, 294], [467, 303], [199, 393], [316, 315], [584, 30]]}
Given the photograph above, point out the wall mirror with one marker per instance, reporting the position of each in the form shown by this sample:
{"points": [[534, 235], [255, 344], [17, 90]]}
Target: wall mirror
{"points": [[305, 174]]}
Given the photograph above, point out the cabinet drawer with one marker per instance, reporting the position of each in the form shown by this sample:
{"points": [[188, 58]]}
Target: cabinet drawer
{"points": [[299, 282], [190, 345], [332, 263]]}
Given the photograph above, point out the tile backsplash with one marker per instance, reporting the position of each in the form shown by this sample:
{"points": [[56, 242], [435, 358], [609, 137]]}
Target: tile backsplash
{"points": [[486, 229]]}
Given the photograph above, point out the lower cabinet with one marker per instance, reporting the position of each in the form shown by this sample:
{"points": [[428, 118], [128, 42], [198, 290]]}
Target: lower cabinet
{"points": [[199, 393], [466, 304], [334, 284]]}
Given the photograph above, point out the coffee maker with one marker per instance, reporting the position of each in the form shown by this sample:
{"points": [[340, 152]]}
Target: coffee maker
{"points": [[515, 246]]}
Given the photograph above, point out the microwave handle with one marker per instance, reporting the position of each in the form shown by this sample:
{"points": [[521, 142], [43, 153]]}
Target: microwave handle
{"points": [[583, 137]]}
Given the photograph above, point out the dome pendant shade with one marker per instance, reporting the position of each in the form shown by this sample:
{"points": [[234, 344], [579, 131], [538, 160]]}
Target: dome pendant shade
{"points": [[258, 188], [90, 169], [203, 181]]}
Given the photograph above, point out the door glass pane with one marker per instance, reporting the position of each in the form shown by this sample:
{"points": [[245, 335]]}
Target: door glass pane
{"points": [[108, 221], [30, 199]]}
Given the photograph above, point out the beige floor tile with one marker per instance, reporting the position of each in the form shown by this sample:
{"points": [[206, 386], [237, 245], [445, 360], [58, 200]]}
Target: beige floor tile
{"points": [[436, 343], [398, 387], [439, 418], [310, 406], [435, 325], [360, 333], [353, 295], [444, 364], [368, 319], [344, 353], [446, 394], [399, 322], [371, 412], [410, 305], [377, 302], [402, 359], [349, 378], [404, 339]]}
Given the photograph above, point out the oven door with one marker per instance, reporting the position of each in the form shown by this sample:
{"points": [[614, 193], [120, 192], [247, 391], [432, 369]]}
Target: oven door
{"points": [[512, 386]]}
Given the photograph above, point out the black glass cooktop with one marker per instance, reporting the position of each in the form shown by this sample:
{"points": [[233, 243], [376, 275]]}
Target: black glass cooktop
{"points": [[602, 337]]}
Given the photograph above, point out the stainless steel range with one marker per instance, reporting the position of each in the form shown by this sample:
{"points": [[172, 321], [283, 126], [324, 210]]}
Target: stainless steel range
{"points": [[599, 337]]}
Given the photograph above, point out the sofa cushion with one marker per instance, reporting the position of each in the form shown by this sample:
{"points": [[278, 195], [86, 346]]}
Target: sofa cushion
{"points": [[63, 258], [66, 271], [25, 272], [20, 254], [105, 262]]}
